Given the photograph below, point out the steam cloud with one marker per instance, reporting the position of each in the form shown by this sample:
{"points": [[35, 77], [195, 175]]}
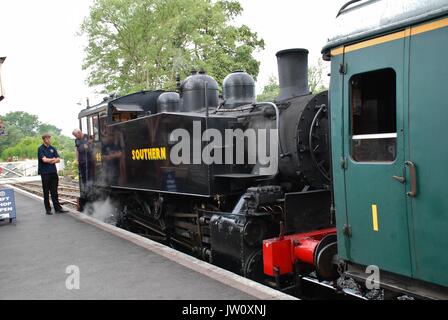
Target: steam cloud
{"points": [[102, 210]]}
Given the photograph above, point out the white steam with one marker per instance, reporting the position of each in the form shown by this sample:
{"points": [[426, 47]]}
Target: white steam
{"points": [[102, 210]]}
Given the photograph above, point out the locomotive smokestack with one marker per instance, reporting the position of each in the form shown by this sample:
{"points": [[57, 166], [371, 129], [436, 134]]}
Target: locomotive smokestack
{"points": [[292, 73]]}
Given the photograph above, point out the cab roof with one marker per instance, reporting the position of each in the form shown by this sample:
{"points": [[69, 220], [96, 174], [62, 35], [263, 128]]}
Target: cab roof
{"points": [[136, 102]]}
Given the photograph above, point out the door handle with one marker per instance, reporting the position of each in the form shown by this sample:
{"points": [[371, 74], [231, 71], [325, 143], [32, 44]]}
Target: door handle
{"points": [[413, 176]]}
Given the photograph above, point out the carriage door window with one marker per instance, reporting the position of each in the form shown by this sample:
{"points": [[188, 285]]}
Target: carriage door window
{"points": [[374, 116]]}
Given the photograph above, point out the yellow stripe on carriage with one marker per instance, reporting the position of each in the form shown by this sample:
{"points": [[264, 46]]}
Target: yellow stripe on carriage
{"points": [[375, 217]]}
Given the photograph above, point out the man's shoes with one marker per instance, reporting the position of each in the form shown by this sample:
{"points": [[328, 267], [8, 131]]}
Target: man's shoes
{"points": [[49, 213], [62, 210]]}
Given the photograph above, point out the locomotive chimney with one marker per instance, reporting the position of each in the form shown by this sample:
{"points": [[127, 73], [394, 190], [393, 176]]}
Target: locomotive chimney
{"points": [[292, 73]]}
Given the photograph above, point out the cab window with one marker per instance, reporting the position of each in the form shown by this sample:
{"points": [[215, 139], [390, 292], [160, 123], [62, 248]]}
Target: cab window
{"points": [[94, 128], [123, 116], [84, 126]]}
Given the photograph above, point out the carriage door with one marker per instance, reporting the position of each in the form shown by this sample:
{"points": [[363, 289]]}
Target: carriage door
{"points": [[377, 225], [428, 118]]}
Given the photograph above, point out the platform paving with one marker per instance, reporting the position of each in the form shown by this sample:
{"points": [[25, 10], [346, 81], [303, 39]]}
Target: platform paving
{"points": [[35, 253]]}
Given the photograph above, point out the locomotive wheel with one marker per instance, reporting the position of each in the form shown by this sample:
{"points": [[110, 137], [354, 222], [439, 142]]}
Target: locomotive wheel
{"points": [[137, 209], [147, 209], [122, 219], [253, 267], [158, 208]]}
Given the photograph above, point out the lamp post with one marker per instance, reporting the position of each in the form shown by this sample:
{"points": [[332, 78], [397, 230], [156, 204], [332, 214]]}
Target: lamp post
{"points": [[2, 59]]}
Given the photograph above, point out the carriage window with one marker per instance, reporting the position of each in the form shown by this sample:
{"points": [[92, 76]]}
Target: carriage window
{"points": [[374, 116]]}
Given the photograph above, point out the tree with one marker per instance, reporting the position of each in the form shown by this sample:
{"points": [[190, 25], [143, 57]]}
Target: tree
{"points": [[142, 44], [49, 128], [23, 137], [12, 135], [270, 91], [315, 82], [316, 75], [17, 125], [26, 148], [26, 123]]}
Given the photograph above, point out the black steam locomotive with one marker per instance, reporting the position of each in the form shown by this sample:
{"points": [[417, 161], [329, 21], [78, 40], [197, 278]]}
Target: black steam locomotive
{"points": [[167, 189]]}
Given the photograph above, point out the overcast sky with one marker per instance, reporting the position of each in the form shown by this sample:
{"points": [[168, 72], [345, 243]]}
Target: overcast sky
{"points": [[42, 73]]}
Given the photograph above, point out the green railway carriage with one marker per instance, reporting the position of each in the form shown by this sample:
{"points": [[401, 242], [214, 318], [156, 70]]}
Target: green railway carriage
{"points": [[389, 115]]}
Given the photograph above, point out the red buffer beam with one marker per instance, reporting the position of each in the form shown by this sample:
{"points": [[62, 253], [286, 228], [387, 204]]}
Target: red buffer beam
{"points": [[280, 254]]}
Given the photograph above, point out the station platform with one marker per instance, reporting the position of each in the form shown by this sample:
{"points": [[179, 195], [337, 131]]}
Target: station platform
{"points": [[113, 263]]}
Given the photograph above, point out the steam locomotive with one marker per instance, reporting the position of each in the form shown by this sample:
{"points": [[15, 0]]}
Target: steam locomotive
{"points": [[221, 211], [348, 196]]}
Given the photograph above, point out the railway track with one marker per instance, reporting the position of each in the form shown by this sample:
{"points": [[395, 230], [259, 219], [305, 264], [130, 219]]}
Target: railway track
{"points": [[68, 192]]}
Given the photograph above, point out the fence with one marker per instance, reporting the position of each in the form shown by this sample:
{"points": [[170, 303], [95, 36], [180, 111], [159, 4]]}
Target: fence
{"points": [[18, 169]]}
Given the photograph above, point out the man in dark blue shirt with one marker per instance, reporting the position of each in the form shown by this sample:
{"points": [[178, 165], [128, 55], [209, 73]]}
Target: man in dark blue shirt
{"points": [[48, 157]]}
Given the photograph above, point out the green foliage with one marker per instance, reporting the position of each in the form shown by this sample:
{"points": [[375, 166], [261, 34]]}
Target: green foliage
{"points": [[48, 128], [18, 125], [316, 75], [315, 82], [26, 123], [270, 91], [142, 44], [12, 136], [26, 148], [23, 137], [70, 170]]}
